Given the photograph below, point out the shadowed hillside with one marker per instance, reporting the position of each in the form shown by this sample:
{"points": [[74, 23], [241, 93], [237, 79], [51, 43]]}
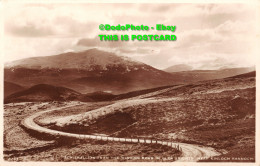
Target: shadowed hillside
{"points": [[10, 88], [43, 92]]}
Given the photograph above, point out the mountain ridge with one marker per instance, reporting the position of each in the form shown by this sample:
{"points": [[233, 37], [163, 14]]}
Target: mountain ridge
{"points": [[87, 71], [74, 60]]}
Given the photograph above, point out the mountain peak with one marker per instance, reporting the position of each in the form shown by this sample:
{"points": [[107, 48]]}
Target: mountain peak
{"points": [[87, 71], [86, 60]]}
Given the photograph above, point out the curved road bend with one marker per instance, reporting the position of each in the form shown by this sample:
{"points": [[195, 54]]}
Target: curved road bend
{"points": [[193, 152]]}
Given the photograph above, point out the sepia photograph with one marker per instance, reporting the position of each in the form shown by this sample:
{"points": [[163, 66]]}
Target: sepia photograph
{"points": [[129, 82]]}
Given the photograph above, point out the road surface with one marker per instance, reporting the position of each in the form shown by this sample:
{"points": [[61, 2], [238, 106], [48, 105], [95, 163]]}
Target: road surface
{"points": [[190, 152]]}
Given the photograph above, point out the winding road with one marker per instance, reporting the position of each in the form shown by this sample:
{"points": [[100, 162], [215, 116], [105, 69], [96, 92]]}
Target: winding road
{"points": [[190, 152]]}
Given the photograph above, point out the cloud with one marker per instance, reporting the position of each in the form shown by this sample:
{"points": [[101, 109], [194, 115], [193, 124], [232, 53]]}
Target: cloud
{"points": [[30, 30], [42, 21], [206, 33], [228, 37], [194, 38], [95, 42], [31, 47]]}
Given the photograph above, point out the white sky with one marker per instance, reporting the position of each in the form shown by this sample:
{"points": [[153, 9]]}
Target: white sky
{"points": [[209, 36]]}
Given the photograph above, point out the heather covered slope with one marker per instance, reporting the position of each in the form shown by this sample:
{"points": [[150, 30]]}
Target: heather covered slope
{"points": [[217, 113]]}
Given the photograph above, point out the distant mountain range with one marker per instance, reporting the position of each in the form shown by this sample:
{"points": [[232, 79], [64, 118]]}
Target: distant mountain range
{"points": [[89, 75], [86, 72], [178, 68]]}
